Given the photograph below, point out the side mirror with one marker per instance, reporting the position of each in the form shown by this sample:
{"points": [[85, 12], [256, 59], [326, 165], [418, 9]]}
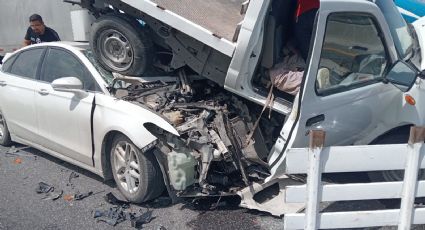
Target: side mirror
{"points": [[68, 84], [402, 76]]}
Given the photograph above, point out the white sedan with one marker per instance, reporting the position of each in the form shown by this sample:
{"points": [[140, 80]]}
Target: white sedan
{"points": [[182, 131], [54, 97]]}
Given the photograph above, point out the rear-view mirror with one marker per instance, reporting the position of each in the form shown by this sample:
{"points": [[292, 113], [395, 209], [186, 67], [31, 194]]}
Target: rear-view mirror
{"points": [[402, 76]]}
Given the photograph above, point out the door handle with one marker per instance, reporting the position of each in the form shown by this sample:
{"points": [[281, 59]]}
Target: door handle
{"points": [[43, 92], [315, 120], [3, 83]]}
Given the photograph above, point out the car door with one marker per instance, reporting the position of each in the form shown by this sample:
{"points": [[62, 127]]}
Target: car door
{"points": [[345, 93], [64, 118], [17, 85]]}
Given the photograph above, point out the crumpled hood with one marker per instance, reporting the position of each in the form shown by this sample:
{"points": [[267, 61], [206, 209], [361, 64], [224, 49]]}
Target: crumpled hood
{"points": [[420, 31]]}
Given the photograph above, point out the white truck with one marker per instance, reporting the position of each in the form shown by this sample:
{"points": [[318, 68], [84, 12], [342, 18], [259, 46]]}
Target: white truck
{"points": [[363, 84]]}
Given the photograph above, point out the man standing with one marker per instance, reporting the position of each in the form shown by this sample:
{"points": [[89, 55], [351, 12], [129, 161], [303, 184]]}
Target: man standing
{"points": [[38, 32]]}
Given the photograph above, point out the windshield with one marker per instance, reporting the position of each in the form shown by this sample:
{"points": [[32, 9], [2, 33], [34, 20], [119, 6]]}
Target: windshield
{"points": [[106, 75], [399, 30]]}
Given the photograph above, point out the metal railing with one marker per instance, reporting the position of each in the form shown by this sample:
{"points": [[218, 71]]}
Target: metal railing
{"points": [[317, 159]]}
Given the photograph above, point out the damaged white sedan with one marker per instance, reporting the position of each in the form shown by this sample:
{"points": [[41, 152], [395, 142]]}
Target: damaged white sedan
{"points": [[181, 130]]}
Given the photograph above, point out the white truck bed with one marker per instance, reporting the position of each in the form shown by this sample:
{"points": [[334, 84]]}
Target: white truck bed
{"points": [[218, 16], [212, 22]]}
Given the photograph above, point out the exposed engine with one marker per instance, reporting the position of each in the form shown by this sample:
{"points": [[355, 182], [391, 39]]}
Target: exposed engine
{"points": [[220, 150]]}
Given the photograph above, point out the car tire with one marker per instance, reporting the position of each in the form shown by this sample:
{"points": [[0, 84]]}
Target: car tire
{"points": [[5, 139], [137, 175], [121, 45]]}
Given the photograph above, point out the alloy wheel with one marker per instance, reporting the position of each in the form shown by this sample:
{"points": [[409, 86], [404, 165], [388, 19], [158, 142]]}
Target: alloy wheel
{"points": [[126, 166]]}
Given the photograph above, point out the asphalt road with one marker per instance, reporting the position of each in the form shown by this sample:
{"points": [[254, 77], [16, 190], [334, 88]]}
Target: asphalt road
{"points": [[22, 208]]}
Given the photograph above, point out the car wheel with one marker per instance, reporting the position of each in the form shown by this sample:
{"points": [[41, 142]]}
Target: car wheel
{"points": [[4, 132], [121, 45], [136, 174]]}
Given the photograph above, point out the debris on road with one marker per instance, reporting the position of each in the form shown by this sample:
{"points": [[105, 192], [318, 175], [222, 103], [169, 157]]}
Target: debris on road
{"points": [[80, 196], [68, 197], [112, 199], [54, 195], [120, 213], [113, 216], [44, 188], [72, 176], [51, 194], [145, 218], [49, 190], [17, 161]]}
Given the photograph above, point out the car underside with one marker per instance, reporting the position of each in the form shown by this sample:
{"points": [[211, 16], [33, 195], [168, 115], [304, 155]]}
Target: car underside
{"points": [[224, 140]]}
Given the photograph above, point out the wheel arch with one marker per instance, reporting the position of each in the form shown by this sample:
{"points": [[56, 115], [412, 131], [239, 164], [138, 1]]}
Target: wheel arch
{"points": [[403, 130], [106, 146], [105, 157]]}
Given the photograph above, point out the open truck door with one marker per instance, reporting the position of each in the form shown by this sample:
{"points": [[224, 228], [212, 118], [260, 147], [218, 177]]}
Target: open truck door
{"points": [[345, 91]]}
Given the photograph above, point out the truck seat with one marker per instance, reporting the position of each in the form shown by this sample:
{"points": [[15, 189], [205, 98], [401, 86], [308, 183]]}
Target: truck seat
{"points": [[277, 31]]}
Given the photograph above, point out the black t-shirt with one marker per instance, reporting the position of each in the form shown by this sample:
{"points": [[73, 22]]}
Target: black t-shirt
{"points": [[49, 36]]}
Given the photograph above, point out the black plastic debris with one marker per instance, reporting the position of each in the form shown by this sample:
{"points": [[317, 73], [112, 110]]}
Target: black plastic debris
{"points": [[113, 216], [145, 218], [72, 176], [54, 195], [49, 190], [119, 213], [44, 188], [80, 196], [112, 199]]}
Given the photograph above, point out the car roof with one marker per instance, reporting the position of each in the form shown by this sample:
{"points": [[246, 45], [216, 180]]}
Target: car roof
{"points": [[69, 45], [64, 44]]}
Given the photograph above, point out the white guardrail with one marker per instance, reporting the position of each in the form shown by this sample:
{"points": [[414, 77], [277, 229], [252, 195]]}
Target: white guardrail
{"points": [[408, 157]]}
